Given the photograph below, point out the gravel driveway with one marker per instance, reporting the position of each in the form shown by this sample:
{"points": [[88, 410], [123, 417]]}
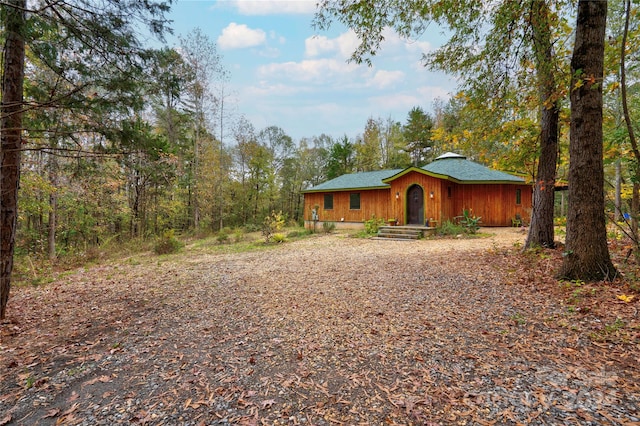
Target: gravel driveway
{"points": [[325, 330]]}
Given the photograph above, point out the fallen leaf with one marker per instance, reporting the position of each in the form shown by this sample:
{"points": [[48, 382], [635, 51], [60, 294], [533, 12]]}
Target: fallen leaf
{"points": [[5, 420], [51, 413], [71, 409], [267, 403], [74, 396]]}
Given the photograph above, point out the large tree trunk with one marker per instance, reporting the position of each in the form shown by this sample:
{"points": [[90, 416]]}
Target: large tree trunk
{"points": [[587, 255], [10, 139], [541, 232]]}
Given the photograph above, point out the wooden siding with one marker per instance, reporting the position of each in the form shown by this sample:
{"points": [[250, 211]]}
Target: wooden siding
{"points": [[432, 206], [494, 203], [372, 202]]}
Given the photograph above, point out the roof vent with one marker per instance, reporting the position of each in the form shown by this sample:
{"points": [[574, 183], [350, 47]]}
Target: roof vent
{"points": [[448, 155]]}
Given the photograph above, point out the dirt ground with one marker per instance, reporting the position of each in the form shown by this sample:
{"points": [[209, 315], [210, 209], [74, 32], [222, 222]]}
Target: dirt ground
{"points": [[321, 331]]}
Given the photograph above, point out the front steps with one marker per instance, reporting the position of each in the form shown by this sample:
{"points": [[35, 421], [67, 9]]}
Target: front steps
{"points": [[404, 233]]}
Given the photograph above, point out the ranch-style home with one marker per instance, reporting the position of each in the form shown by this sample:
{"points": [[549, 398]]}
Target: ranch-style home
{"points": [[425, 196]]}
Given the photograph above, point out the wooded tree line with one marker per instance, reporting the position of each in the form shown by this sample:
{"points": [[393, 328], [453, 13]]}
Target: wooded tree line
{"points": [[535, 76], [109, 139]]}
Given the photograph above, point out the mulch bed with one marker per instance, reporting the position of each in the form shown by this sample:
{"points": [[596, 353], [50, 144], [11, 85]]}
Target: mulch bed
{"points": [[326, 330]]}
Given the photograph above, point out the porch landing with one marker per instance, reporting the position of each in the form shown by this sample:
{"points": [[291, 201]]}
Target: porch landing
{"points": [[404, 232]]}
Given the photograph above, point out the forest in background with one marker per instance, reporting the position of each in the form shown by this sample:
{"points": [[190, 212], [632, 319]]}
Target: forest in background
{"points": [[141, 153]]}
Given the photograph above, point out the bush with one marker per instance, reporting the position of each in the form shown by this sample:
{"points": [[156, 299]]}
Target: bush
{"points": [[328, 227], [471, 223], [251, 227], [238, 235], [168, 243], [372, 225], [450, 228], [278, 238], [272, 224], [223, 235]]}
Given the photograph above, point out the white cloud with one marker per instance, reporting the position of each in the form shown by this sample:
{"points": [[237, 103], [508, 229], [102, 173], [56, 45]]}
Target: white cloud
{"points": [[273, 7], [266, 90], [432, 93], [383, 79], [423, 96], [342, 46], [314, 71], [239, 36]]}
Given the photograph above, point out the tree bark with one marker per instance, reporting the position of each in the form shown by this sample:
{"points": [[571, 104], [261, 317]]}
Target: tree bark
{"points": [[541, 231], [587, 255], [10, 139]]}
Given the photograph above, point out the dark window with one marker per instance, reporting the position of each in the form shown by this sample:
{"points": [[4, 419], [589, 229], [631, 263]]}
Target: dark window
{"points": [[518, 196], [354, 201], [448, 192], [328, 201]]}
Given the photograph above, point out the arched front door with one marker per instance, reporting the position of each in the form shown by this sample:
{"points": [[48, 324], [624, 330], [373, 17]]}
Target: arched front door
{"points": [[415, 205]]}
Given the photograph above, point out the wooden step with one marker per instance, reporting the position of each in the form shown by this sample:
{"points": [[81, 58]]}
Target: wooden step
{"points": [[404, 232]]}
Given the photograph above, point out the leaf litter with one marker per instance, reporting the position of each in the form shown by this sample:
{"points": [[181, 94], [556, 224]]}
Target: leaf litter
{"points": [[323, 331]]}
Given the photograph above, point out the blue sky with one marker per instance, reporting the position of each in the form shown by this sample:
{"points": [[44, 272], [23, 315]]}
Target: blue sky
{"points": [[285, 73]]}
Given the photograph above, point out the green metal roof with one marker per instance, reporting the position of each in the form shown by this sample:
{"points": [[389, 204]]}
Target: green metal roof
{"points": [[449, 166], [459, 169], [363, 180]]}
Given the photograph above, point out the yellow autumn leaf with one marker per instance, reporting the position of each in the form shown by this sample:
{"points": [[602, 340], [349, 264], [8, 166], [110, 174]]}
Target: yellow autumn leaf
{"points": [[625, 298], [613, 86]]}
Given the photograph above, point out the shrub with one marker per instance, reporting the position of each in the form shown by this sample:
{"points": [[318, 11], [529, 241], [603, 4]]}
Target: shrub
{"points": [[238, 235], [278, 237], [372, 225], [223, 235], [251, 227], [471, 223], [272, 224], [168, 243], [450, 228], [328, 227]]}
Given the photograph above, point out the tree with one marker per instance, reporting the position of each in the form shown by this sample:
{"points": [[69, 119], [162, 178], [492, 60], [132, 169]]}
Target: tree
{"points": [[541, 231], [417, 135], [11, 110], [200, 53], [368, 155], [314, 157], [94, 47], [392, 145], [341, 158], [635, 200], [587, 255], [279, 144]]}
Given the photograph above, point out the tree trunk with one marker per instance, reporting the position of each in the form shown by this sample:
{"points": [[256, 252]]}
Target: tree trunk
{"points": [[618, 196], [10, 139], [53, 207], [587, 255], [541, 232]]}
